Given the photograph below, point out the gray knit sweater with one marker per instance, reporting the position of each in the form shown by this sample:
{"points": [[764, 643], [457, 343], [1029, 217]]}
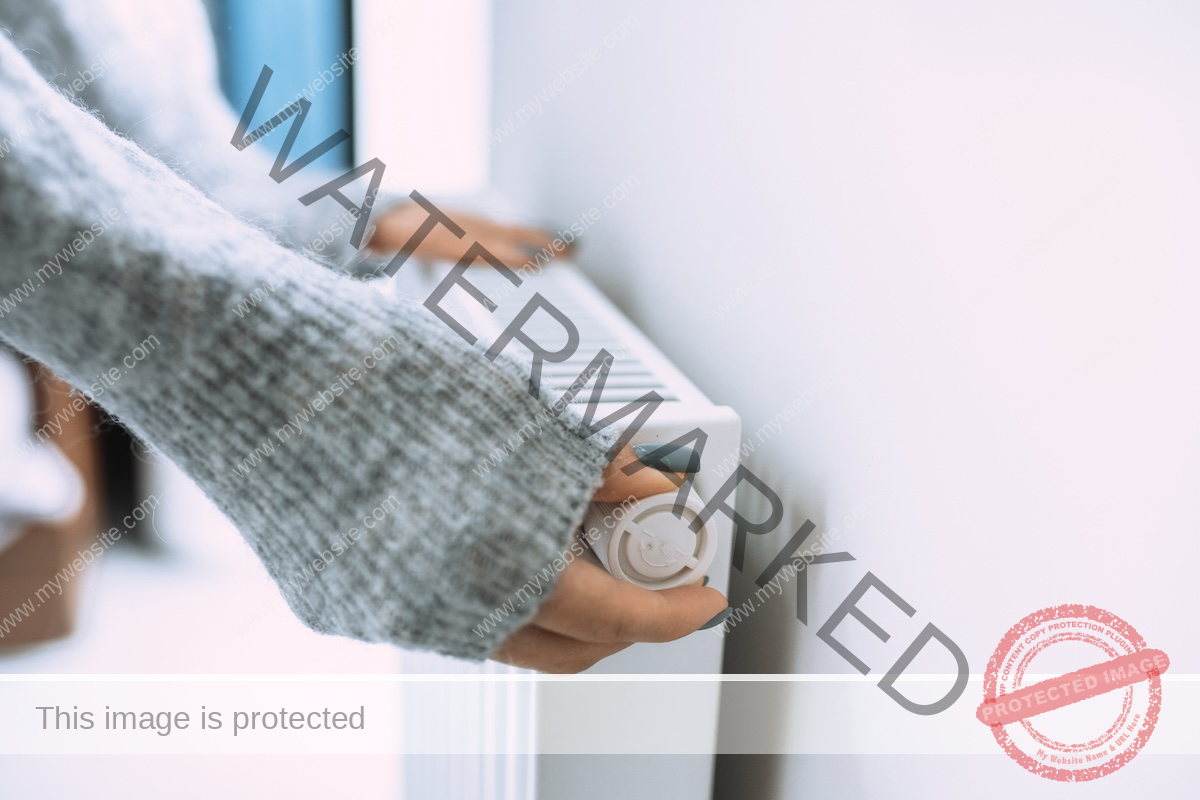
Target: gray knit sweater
{"points": [[413, 409]]}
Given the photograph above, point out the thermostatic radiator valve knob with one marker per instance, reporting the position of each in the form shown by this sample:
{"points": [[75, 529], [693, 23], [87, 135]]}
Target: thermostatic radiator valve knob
{"points": [[646, 544]]}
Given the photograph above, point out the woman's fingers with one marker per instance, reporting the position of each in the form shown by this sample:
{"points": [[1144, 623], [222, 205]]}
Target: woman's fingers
{"points": [[510, 253], [521, 234], [590, 614], [531, 236], [590, 605], [648, 481], [525, 237], [514, 245], [532, 647]]}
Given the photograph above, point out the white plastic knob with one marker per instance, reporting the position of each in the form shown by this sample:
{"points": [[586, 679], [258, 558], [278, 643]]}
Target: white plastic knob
{"points": [[646, 544]]}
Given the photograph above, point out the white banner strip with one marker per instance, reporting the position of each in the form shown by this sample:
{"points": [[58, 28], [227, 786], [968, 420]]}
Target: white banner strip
{"points": [[513, 714]]}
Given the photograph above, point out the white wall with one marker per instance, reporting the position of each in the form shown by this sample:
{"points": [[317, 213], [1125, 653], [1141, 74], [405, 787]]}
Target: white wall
{"points": [[975, 226], [421, 92]]}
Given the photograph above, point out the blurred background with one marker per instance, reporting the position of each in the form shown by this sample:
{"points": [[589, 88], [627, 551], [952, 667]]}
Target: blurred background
{"points": [[964, 236]]}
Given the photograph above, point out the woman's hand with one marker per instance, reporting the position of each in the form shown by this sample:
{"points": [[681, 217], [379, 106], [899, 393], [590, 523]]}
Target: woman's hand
{"points": [[591, 615], [514, 245]]}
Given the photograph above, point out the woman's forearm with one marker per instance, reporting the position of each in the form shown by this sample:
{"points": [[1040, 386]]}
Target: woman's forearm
{"points": [[327, 405]]}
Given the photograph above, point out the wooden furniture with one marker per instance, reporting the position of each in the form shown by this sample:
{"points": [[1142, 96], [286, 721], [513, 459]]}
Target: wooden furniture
{"points": [[43, 550]]}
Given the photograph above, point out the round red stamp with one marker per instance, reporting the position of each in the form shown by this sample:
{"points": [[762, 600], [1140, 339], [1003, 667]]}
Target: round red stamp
{"points": [[1095, 716]]}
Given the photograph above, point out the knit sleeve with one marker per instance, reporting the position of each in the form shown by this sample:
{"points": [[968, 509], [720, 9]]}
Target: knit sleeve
{"points": [[148, 70], [333, 424]]}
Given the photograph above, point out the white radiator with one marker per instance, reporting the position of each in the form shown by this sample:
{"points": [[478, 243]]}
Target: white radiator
{"points": [[491, 731]]}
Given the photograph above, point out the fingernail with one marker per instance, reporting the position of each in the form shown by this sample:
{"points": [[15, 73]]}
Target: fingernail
{"points": [[678, 459], [717, 620], [705, 581]]}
